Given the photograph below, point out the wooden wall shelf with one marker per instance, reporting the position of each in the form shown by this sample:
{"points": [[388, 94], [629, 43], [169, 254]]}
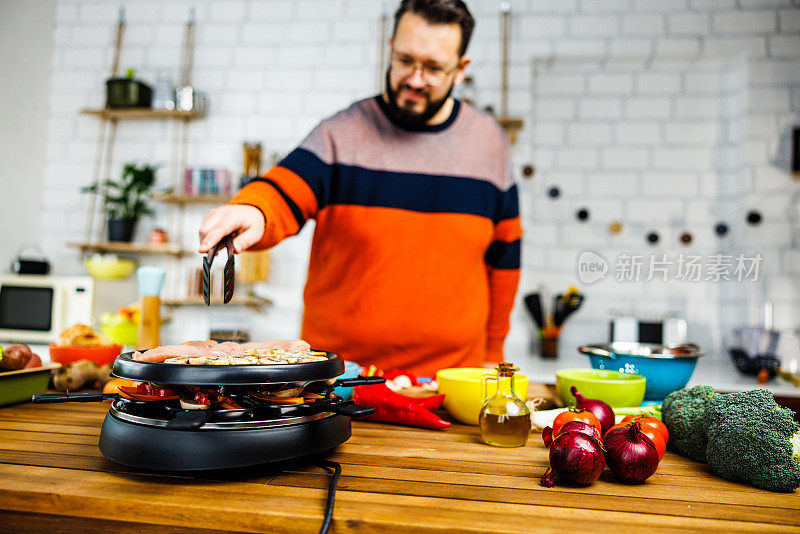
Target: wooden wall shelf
{"points": [[169, 249], [142, 113], [174, 198], [511, 126], [251, 302]]}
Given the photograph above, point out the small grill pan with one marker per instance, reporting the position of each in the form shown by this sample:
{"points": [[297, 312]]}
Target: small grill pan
{"points": [[226, 375]]}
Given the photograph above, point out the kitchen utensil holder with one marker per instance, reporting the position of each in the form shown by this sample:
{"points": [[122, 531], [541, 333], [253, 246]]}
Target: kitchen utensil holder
{"points": [[548, 347]]}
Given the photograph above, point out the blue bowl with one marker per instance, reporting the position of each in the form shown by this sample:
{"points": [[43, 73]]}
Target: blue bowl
{"points": [[350, 371], [666, 368]]}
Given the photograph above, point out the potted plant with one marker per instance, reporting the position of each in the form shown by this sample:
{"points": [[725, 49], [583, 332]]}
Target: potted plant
{"points": [[125, 200]]}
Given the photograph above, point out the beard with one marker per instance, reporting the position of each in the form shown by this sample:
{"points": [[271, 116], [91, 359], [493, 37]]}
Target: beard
{"points": [[408, 118]]}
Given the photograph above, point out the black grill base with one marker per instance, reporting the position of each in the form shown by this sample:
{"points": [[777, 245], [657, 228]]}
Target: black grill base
{"points": [[161, 449]]}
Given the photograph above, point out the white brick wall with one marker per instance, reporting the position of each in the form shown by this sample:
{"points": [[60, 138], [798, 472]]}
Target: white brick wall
{"points": [[744, 22], [666, 116], [643, 25]]}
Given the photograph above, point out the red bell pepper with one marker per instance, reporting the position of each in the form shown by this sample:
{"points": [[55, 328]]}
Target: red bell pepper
{"points": [[393, 407], [210, 397]]}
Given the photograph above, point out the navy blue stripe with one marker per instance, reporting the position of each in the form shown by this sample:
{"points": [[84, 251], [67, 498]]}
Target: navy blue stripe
{"points": [[315, 172], [503, 255], [352, 185], [298, 215], [509, 205], [413, 192]]}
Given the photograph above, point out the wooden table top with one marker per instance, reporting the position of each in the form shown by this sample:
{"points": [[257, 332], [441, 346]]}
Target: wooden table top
{"points": [[394, 479]]}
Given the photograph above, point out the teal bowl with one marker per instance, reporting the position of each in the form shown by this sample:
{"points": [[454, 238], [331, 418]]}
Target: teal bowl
{"points": [[350, 371]]}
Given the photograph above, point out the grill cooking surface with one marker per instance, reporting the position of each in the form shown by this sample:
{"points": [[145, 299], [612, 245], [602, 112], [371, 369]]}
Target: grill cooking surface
{"points": [[219, 375]]}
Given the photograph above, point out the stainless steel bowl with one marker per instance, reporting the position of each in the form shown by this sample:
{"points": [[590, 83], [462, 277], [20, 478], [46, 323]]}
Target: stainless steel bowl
{"points": [[665, 367], [649, 350]]}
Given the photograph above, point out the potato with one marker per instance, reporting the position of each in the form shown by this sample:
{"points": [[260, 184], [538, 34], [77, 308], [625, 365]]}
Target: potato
{"points": [[15, 356], [103, 375], [75, 375]]}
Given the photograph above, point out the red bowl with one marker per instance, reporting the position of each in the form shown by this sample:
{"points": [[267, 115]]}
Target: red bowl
{"points": [[100, 355]]}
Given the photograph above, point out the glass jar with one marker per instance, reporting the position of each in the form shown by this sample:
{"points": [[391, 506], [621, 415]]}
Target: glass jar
{"points": [[505, 420], [164, 94]]}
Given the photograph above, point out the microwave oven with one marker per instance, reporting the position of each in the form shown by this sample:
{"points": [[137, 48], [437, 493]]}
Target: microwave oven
{"points": [[36, 309]]}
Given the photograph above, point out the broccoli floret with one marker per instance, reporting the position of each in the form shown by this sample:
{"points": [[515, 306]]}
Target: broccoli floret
{"points": [[752, 439], [683, 412]]}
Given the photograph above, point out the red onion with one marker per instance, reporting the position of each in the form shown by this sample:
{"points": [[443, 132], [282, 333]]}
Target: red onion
{"points": [[578, 426], [600, 409], [630, 454], [574, 457]]}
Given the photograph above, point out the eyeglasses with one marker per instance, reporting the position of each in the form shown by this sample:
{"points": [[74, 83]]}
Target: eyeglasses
{"points": [[432, 75]]}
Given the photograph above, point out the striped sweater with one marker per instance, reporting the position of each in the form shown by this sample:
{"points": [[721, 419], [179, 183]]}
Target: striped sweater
{"points": [[416, 251]]}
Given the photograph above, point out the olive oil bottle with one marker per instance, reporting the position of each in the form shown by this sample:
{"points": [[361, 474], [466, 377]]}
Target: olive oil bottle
{"points": [[505, 420]]}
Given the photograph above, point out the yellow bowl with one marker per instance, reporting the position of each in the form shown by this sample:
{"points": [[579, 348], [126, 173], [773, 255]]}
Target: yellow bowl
{"points": [[119, 329], [109, 270], [462, 391]]}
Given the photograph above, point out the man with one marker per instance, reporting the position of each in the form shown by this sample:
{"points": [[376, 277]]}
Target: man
{"points": [[415, 256]]}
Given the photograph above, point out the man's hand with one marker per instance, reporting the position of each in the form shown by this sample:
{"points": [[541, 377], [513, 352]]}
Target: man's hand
{"points": [[246, 223]]}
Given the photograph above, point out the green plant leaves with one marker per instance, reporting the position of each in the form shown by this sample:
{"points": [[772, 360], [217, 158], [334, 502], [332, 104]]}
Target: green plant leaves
{"points": [[129, 197]]}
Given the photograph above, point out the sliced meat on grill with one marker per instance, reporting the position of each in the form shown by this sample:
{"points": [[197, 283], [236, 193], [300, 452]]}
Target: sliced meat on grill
{"points": [[206, 343], [212, 349], [229, 348], [159, 354]]}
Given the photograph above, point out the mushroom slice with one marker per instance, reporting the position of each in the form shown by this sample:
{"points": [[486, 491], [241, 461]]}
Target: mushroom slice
{"points": [[190, 404]]}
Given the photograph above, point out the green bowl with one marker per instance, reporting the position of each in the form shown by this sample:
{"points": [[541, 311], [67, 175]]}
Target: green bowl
{"points": [[616, 389], [20, 386]]}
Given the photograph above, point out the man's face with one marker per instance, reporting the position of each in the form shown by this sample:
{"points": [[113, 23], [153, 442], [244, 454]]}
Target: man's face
{"points": [[430, 48]]}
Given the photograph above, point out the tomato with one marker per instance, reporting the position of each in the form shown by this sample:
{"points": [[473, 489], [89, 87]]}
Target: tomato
{"points": [[652, 434], [133, 393], [145, 388], [112, 386], [583, 416], [653, 422], [202, 398]]}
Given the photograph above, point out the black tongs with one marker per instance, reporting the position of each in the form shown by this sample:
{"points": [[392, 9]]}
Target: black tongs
{"points": [[228, 273]]}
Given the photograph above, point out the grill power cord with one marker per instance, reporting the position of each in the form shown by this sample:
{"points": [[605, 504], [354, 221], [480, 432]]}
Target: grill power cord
{"points": [[337, 472]]}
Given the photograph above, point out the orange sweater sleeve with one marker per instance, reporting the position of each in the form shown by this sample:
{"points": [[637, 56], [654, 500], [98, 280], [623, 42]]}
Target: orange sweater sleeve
{"points": [[288, 195], [502, 267]]}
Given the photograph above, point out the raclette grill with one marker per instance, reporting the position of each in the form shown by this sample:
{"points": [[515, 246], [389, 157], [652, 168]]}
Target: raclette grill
{"points": [[160, 435]]}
